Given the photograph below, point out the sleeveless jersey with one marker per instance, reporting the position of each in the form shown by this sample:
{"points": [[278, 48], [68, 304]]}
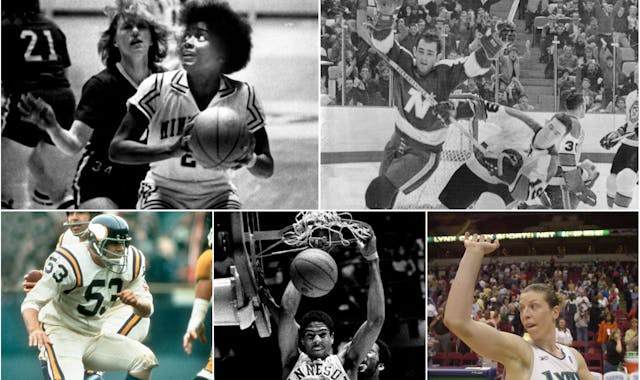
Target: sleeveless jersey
{"points": [[548, 367], [569, 152], [329, 368], [76, 293], [631, 103], [166, 101]]}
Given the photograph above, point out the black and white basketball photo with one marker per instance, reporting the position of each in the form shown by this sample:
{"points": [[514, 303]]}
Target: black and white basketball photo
{"points": [[159, 104], [319, 295]]}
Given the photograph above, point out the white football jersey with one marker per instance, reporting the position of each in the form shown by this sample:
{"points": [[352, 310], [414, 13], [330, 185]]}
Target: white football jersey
{"points": [[631, 103], [547, 366], [76, 293], [319, 369], [167, 102]]}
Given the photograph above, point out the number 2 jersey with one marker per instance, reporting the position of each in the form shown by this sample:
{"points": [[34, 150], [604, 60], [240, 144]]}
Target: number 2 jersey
{"points": [[167, 102], [75, 292]]}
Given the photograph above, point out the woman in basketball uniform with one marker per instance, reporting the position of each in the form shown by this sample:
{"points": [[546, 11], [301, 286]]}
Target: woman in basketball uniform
{"points": [[216, 42], [541, 357], [131, 49]]}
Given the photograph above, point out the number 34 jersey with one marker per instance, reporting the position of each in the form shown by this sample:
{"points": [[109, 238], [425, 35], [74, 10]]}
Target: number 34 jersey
{"points": [[75, 292]]}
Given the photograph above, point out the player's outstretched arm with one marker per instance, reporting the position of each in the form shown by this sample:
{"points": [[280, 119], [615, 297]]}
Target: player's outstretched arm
{"points": [[40, 113], [288, 328], [125, 147], [367, 334], [509, 349], [195, 327], [37, 337]]}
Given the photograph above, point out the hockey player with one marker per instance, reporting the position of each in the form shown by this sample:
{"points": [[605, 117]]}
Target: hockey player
{"points": [[422, 85], [623, 179], [513, 165], [574, 178]]}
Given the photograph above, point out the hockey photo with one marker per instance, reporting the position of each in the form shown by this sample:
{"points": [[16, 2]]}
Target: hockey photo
{"points": [[95, 295], [512, 104], [102, 104], [319, 294]]}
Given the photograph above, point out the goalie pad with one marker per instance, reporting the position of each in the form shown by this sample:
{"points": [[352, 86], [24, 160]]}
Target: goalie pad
{"points": [[589, 172]]}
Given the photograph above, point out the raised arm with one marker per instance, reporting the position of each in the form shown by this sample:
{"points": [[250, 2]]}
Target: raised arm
{"points": [[508, 349], [367, 334], [288, 328], [40, 113]]}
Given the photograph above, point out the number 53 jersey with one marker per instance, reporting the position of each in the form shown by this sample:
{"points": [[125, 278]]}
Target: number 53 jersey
{"points": [[75, 292]]}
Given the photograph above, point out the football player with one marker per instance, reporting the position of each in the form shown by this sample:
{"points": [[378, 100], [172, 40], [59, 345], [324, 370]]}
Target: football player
{"points": [[622, 182], [67, 312], [195, 328], [574, 178], [34, 60], [421, 98], [511, 166], [131, 49], [216, 42]]}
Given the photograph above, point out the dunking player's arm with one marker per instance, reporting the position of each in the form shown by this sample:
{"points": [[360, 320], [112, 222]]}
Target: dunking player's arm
{"points": [[355, 352]]}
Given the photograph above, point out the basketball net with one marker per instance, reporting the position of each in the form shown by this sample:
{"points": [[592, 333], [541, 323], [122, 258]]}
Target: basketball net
{"points": [[325, 229]]}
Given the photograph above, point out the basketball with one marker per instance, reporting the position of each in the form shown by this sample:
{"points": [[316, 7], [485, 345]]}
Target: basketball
{"points": [[219, 137], [313, 272]]}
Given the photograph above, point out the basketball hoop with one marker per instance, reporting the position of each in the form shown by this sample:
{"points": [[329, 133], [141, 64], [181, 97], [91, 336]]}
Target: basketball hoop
{"points": [[325, 230]]}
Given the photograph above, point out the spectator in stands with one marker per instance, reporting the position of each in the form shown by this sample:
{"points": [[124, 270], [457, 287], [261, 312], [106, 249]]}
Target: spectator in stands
{"points": [[593, 72], [632, 23], [441, 332], [631, 336], [608, 81], [587, 11], [356, 94], [563, 334], [326, 32], [568, 60], [412, 37], [614, 355], [605, 14], [582, 323], [523, 104], [620, 27], [606, 327], [534, 8], [402, 30]]}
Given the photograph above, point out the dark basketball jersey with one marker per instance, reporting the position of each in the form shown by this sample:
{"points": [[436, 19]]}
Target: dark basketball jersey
{"points": [[34, 55]]}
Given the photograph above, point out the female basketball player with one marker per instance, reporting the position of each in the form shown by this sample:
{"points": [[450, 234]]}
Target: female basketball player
{"points": [[131, 49], [216, 42], [541, 358]]}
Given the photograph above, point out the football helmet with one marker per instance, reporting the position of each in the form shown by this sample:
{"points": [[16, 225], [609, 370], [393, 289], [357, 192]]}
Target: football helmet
{"points": [[104, 229]]}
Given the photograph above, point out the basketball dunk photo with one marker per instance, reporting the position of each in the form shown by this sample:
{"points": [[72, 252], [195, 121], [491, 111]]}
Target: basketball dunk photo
{"points": [[534, 296], [319, 295], [159, 104]]}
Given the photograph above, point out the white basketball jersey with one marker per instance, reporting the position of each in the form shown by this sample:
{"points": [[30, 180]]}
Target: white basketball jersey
{"points": [[167, 102], [329, 368], [631, 103], [76, 293], [549, 367]]}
